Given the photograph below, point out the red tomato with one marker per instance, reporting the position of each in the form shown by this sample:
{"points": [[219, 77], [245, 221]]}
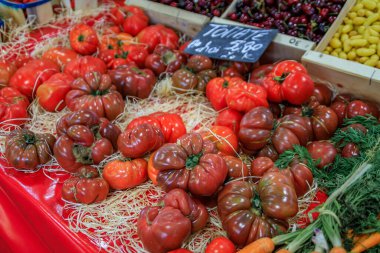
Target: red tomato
{"points": [[158, 35], [7, 69], [289, 81], [115, 41], [288, 66], [229, 118], [22, 60], [171, 124], [216, 90], [136, 53], [80, 66], [152, 172], [28, 78], [51, 94], [245, 96], [83, 39], [60, 55], [220, 245], [323, 151], [180, 251], [13, 107], [258, 74], [132, 18], [121, 175], [224, 139]]}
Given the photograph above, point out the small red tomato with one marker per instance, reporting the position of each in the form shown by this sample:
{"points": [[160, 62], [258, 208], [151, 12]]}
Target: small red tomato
{"points": [[83, 39], [220, 245], [229, 118], [323, 150]]}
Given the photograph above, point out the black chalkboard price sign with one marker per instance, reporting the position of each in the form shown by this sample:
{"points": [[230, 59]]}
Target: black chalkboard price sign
{"points": [[230, 42]]}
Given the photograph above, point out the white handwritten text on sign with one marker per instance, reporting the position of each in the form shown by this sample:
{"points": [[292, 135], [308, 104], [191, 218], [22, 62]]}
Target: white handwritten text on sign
{"points": [[228, 42]]}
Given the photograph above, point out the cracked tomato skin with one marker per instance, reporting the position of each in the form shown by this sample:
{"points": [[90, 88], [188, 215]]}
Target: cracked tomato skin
{"points": [[95, 92], [26, 150], [140, 140], [83, 39], [86, 187], [249, 211], [84, 139], [190, 164], [13, 107], [164, 59]]}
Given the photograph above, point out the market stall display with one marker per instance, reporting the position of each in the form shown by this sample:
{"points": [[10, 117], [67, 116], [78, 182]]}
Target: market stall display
{"points": [[144, 148]]}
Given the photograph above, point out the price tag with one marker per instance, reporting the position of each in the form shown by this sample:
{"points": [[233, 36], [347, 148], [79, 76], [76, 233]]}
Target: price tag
{"points": [[229, 42]]}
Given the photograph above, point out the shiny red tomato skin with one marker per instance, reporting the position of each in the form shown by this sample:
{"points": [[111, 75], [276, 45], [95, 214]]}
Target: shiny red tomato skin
{"points": [[60, 55], [7, 69], [288, 66], [83, 39], [323, 150], [180, 251], [220, 245], [258, 74], [158, 34], [136, 53], [80, 66], [29, 77], [229, 118], [13, 107], [51, 94]]}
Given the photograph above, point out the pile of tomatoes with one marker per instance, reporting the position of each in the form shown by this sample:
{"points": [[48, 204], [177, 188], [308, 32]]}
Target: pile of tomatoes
{"points": [[263, 111]]}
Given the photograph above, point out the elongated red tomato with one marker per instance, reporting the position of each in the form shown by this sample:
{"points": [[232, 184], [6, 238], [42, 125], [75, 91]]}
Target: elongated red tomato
{"points": [[51, 94], [29, 77]]}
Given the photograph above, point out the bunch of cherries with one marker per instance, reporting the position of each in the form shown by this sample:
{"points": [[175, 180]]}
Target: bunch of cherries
{"points": [[307, 19], [208, 8]]}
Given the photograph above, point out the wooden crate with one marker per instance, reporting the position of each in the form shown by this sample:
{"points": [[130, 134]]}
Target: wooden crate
{"points": [[348, 76], [283, 46], [186, 22]]}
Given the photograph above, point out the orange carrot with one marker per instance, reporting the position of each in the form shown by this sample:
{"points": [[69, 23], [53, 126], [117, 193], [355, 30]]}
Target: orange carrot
{"points": [[359, 238], [338, 250], [283, 251], [262, 245], [371, 241]]}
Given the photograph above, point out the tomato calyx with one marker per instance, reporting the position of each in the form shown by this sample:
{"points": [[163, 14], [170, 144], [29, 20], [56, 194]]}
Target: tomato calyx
{"points": [[307, 111], [81, 38], [193, 161], [123, 55], [29, 138], [256, 205], [138, 71], [82, 154], [99, 92], [168, 57], [281, 78], [225, 84]]}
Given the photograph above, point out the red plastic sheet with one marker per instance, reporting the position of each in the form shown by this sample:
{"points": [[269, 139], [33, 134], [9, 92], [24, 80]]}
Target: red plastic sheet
{"points": [[31, 215]]}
